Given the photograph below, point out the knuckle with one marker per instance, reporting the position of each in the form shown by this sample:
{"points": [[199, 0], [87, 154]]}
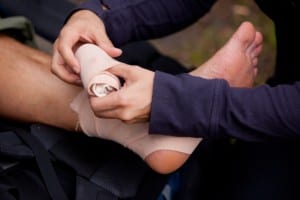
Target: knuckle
{"points": [[63, 33], [126, 116], [133, 69], [121, 99], [59, 45]]}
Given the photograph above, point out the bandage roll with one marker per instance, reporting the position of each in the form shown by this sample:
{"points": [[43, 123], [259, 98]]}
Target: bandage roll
{"points": [[93, 65]]}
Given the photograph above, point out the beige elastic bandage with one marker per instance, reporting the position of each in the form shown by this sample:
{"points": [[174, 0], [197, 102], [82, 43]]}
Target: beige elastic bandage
{"points": [[132, 136], [93, 63]]}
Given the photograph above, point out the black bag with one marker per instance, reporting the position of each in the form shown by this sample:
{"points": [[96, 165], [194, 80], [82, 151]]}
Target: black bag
{"points": [[42, 162]]}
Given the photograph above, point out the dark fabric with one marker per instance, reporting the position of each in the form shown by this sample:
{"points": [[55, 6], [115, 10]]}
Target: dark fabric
{"points": [[86, 190], [260, 171], [146, 55], [260, 114], [22, 183], [92, 159], [143, 19], [238, 170], [47, 16], [285, 15], [73, 164], [44, 163]]}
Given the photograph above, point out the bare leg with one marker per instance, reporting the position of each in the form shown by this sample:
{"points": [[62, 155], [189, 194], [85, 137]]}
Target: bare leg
{"points": [[29, 92]]}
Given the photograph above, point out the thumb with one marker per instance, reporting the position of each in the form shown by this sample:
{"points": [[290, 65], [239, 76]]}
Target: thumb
{"points": [[122, 70], [111, 50], [105, 44]]}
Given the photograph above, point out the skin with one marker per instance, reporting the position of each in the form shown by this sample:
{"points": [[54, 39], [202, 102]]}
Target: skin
{"points": [[74, 33], [29, 87], [235, 62]]}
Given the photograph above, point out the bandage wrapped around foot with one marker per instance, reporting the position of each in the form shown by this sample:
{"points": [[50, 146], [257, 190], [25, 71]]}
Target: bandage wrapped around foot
{"points": [[132, 136]]}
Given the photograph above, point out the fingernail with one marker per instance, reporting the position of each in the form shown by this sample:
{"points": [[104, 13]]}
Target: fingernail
{"points": [[113, 48], [118, 49]]}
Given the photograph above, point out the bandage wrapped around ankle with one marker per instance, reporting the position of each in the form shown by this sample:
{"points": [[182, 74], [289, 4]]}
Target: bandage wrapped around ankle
{"points": [[93, 63], [133, 136]]}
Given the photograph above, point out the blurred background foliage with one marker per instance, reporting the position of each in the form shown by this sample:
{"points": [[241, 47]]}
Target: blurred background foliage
{"points": [[195, 44]]}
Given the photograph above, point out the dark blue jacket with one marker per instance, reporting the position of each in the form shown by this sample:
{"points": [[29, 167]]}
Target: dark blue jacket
{"points": [[188, 106], [132, 20]]}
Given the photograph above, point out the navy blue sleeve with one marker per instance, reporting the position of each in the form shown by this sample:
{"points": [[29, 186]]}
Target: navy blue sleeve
{"points": [[133, 20], [184, 105]]}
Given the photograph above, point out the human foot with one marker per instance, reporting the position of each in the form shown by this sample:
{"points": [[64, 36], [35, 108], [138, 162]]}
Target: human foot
{"points": [[237, 60], [164, 154]]}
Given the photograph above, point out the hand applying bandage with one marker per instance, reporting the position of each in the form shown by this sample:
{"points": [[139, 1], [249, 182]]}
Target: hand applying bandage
{"points": [[163, 153]]}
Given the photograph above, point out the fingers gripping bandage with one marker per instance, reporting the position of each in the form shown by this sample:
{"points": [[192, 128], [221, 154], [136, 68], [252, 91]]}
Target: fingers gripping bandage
{"points": [[132, 136]]}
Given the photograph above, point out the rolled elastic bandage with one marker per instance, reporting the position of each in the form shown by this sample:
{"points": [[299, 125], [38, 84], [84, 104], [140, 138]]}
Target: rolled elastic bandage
{"points": [[93, 63]]}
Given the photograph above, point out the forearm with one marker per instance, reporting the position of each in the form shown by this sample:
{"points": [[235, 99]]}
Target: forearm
{"points": [[188, 106], [132, 20]]}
